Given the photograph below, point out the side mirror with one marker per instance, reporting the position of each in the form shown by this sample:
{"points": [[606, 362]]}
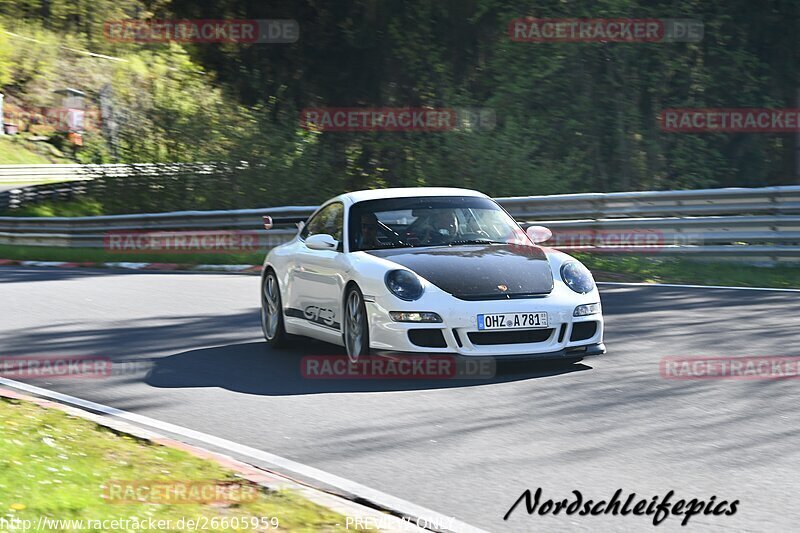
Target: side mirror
{"points": [[322, 241], [267, 222], [539, 234]]}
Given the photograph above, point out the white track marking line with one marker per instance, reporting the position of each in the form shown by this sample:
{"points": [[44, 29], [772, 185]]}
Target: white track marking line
{"points": [[693, 286], [387, 501], [135, 266], [43, 263], [232, 268]]}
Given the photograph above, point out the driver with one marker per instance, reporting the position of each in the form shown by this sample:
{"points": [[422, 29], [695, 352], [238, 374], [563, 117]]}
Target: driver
{"points": [[368, 237], [442, 227]]}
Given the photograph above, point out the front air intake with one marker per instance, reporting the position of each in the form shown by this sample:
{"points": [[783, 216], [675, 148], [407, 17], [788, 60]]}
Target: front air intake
{"points": [[427, 338], [582, 331], [525, 336]]}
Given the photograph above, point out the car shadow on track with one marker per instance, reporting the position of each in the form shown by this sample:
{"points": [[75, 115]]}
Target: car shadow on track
{"points": [[254, 368]]}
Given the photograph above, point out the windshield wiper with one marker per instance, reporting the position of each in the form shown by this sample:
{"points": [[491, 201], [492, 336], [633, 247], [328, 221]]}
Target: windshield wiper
{"points": [[476, 241], [389, 245]]}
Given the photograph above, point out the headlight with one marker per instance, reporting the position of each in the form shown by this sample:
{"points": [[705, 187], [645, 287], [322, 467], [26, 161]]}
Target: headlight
{"points": [[411, 316], [404, 284], [586, 310], [577, 277]]}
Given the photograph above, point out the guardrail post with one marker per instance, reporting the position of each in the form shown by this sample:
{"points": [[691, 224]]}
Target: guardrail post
{"points": [[776, 205], [14, 196]]}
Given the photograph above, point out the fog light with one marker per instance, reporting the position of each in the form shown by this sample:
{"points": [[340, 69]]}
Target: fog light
{"points": [[586, 310], [406, 316]]}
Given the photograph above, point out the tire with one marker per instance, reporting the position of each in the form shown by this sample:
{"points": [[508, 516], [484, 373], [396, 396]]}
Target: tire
{"points": [[355, 325], [272, 311]]}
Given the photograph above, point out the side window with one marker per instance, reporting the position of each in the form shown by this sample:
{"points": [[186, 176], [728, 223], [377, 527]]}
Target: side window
{"points": [[330, 220], [334, 222], [312, 226]]}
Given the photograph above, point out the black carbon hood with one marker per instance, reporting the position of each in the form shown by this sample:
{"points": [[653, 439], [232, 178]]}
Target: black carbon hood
{"points": [[478, 272]]}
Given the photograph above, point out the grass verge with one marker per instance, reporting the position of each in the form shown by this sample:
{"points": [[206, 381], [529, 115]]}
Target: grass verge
{"points": [[628, 268], [81, 207], [97, 255], [16, 150], [632, 268], [56, 465]]}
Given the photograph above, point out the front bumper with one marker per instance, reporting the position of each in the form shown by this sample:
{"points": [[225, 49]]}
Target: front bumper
{"points": [[575, 352], [565, 337]]}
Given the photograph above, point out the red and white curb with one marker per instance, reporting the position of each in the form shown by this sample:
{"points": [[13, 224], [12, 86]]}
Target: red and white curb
{"points": [[246, 269]]}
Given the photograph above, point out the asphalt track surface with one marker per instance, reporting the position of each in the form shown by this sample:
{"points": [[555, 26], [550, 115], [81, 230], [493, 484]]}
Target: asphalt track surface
{"points": [[464, 448]]}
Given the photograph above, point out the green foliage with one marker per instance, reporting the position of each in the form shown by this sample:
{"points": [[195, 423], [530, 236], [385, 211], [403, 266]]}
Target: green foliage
{"points": [[571, 117], [169, 109], [71, 208], [6, 72], [17, 150], [95, 150], [31, 57]]}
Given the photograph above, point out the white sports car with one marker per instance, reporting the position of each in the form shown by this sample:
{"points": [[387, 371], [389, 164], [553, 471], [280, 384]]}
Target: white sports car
{"points": [[433, 270]]}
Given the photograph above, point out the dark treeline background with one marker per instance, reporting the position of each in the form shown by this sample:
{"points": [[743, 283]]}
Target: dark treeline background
{"points": [[571, 117]]}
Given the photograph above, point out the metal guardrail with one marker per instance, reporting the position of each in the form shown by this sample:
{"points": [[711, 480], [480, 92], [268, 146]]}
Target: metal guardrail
{"points": [[78, 172], [702, 202], [32, 173], [755, 224], [32, 184]]}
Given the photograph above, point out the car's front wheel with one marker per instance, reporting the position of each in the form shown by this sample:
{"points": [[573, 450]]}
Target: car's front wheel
{"points": [[356, 327], [271, 311]]}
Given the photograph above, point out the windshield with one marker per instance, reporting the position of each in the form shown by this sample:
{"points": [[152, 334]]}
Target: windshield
{"points": [[431, 221]]}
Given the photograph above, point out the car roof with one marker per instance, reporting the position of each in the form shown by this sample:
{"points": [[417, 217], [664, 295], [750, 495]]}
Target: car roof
{"points": [[407, 192]]}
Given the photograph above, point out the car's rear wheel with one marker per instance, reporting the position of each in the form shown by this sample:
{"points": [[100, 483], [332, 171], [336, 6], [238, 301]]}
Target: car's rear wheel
{"points": [[356, 327], [272, 312]]}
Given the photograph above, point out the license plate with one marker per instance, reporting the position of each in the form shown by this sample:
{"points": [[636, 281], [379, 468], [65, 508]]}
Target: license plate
{"points": [[512, 321]]}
